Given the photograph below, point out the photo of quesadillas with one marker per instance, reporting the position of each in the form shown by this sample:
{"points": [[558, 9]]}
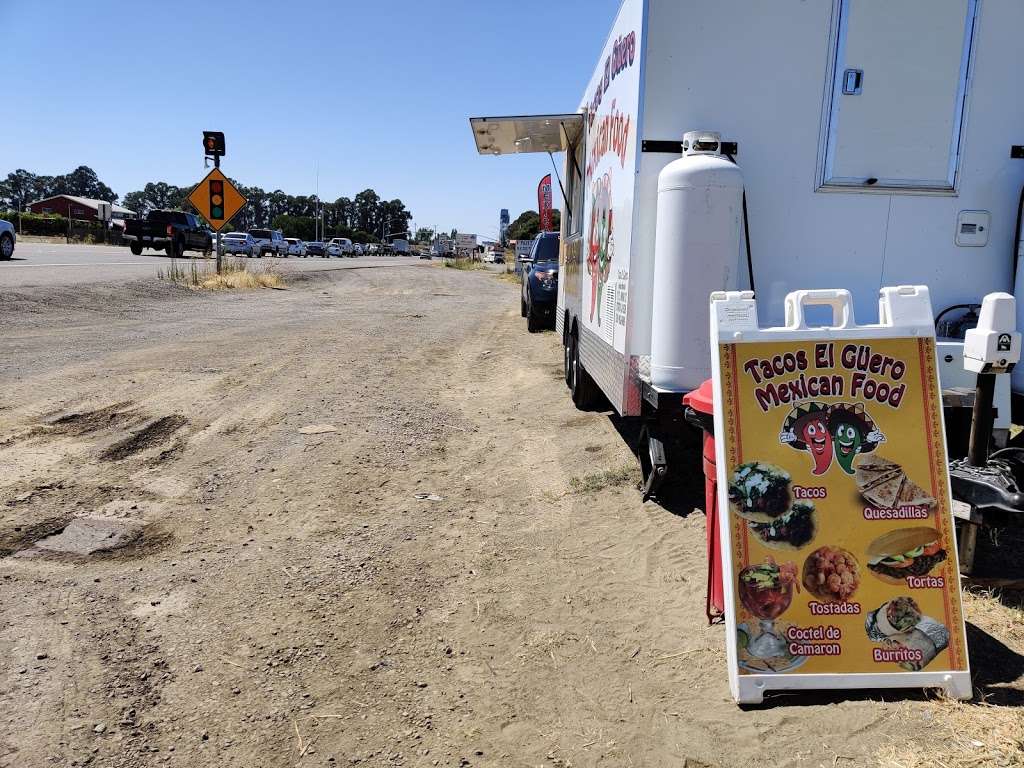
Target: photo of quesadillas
{"points": [[884, 484]]}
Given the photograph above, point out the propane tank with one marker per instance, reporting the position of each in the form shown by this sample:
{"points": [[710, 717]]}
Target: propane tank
{"points": [[696, 251]]}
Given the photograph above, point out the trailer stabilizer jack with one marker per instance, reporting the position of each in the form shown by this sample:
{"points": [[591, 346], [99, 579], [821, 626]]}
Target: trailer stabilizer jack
{"points": [[653, 463]]}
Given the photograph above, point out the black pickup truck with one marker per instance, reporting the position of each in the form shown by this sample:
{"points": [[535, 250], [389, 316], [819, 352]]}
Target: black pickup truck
{"points": [[172, 231]]}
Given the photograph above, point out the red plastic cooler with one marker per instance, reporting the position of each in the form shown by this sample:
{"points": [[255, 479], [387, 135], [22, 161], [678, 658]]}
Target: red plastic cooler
{"points": [[701, 412]]}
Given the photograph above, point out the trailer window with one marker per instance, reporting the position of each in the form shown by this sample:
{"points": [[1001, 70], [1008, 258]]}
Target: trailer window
{"points": [[575, 163], [899, 86]]}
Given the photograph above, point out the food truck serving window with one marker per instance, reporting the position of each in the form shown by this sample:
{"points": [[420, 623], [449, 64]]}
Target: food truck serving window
{"points": [[541, 133], [899, 87]]}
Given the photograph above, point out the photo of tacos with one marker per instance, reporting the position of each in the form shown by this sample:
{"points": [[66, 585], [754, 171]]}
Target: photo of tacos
{"points": [[831, 574], [894, 556], [759, 492], [793, 530], [884, 484]]}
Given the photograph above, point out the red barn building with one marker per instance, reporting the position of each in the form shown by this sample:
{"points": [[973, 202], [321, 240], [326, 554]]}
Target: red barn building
{"points": [[82, 208]]}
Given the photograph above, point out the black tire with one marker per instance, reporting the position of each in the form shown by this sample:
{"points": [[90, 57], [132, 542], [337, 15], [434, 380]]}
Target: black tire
{"points": [[585, 393], [136, 248], [534, 321], [6, 247], [567, 366], [522, 306]]}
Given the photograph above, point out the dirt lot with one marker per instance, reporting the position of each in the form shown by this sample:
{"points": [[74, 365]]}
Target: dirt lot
{"points": [[459, 573]]}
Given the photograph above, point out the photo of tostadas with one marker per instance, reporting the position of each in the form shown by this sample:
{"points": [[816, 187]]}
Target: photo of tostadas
{"points": [[793, 530], [905, 552], [759, 492]]}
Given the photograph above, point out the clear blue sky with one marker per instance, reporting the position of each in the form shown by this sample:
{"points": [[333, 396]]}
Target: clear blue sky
{"points": [[379, 92]]}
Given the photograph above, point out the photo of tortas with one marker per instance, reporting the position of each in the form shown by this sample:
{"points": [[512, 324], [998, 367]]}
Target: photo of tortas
{"points": [[894, 556]]}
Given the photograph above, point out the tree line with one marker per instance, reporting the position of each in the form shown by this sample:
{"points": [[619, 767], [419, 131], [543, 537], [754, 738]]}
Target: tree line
{"points": [[365, 218]]}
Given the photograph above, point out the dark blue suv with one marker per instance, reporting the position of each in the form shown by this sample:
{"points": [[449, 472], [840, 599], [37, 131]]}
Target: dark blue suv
{"points": [[540, 282]]}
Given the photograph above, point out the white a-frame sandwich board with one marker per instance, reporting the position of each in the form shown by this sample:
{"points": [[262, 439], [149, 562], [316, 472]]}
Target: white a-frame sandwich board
{"points": [[840, 563]]}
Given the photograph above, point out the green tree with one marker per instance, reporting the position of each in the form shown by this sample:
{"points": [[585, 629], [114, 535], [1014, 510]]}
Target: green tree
{"points": [[82, 182], [21, 188], [156, 195], [366, 209], [424, 235], [527, 225], [302, 227]]}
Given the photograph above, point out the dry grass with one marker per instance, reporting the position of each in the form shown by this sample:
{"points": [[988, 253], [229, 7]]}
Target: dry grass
{"points": [[968, 734], [597, 481], [964, 734], [463, 264], [234, 275], [509, 277]]}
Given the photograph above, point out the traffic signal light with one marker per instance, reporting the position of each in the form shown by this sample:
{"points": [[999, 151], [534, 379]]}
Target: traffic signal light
{"points": [[213, 143], [216, 200]]}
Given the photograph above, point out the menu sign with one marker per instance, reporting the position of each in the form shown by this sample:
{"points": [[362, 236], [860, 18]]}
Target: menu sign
{"points": [[840, 535]]}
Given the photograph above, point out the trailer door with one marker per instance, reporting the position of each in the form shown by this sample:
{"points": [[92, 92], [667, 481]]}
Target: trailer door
{"points": [[898, 93]]}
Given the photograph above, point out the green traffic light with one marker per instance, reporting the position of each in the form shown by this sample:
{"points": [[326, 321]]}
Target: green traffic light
{"points": [[217, 213]]}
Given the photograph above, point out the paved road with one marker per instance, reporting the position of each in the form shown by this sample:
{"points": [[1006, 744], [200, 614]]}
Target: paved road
{"points": [[41, 264]]}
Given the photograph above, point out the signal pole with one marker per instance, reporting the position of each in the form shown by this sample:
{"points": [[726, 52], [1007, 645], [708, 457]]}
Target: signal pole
{"points": [[213, 144], [216, 164]]}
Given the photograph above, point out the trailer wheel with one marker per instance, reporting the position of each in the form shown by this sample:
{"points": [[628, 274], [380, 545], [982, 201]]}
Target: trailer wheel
{"points": [[136, 249], [584, 390], [567, 366]]}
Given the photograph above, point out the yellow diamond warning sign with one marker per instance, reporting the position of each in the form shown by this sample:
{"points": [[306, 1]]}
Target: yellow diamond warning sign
{"points": [[216, 199]]}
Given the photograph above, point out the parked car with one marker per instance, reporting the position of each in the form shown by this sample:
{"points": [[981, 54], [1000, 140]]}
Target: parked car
{"points": [[239, 244], [357, 249], [8, 238], [172, 231], [316, 248], [296, 247], [270, 241], [373, 248], [540, 282], [427, 255], [333, 249], [345, 244]]}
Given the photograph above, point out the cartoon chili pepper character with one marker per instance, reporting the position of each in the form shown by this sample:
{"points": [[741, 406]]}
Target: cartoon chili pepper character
{"points": [[806, 429], [853, 432]]}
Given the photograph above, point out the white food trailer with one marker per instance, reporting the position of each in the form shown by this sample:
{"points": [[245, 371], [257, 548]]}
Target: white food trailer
{"points": [[829, 144]]}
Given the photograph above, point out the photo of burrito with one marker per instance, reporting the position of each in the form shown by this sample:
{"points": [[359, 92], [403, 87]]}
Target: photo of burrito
{"points": [[893, 618], [899, 626], [884, 484], [905, 552], [759, 492], [793, 530]]}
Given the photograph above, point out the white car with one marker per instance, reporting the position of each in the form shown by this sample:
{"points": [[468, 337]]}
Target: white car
{"points": [[239, 244], [296, 247], [270, 241], [8, 238], [345, 244], [333, 249], [357, 249]]}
